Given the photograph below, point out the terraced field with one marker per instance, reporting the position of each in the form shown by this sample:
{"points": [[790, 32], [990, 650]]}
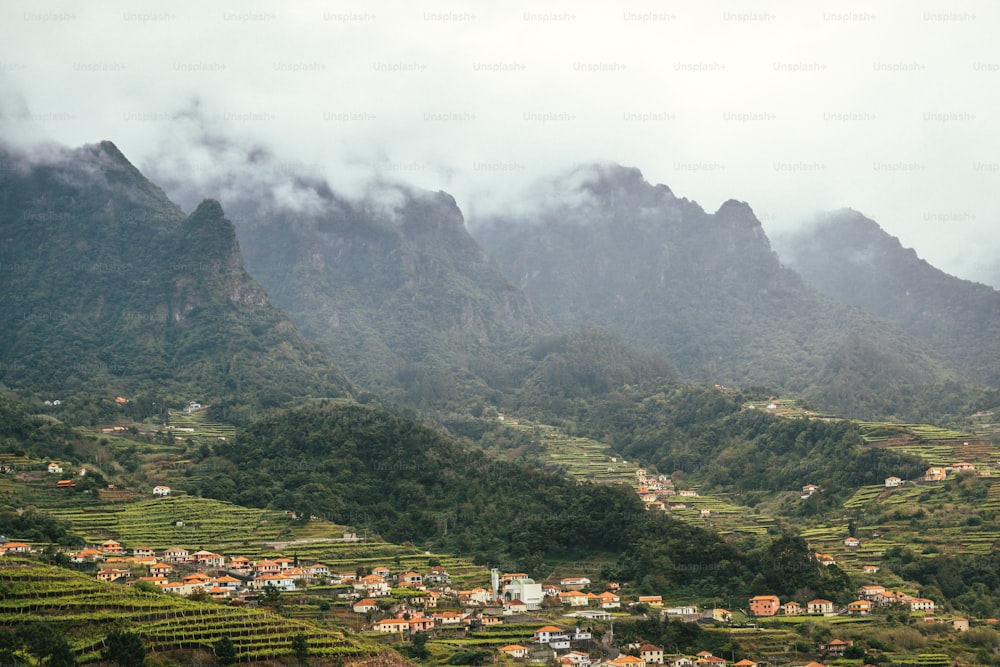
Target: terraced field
{"points": [[580, 457], [86, 610], [204, 523]]}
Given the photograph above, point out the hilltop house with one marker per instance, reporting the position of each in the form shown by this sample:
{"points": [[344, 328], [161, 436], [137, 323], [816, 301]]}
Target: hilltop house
{"points": [[650, 654], [791, 608], [15, 548], [859, 608], [390, 625], [722, 615], [364, 606], [820, 606], [764, 605], [176, 555], [410, 579], [871, 592], [609, 600], [893, 482], [573, 598], [160, 569], [706, 658], [935, 474], [574, 659], [545, 634], [515, 651], [526, 590], [575, 583], [826, 559], [835, 647], [111, 547], [809, 489], [477, 595]]}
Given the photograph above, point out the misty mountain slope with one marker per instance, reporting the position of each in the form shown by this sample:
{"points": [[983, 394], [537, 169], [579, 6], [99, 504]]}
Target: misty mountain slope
{"points": [[108, 288], [397, 291], [610, 249], [851, 258]]}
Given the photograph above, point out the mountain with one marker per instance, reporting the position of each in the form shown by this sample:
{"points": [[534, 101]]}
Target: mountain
{"points": [[605, 247], [851, 258], [392, 287], [109, 289]]}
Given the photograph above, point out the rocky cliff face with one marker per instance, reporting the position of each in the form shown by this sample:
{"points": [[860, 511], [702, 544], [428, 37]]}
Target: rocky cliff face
{"points": [[393, 287], [851, 258], [111, 289], [704, 288]]}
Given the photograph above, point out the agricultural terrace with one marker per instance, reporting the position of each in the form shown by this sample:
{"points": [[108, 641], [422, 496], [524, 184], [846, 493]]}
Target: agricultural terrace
{"points": [[180, 520], [85, 610], [580, 457]]}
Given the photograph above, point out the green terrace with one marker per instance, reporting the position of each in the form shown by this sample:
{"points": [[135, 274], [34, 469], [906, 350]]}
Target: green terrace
{"points": [[580, 457], [85, 610], [254, 533], [176, 521], [201, 430]]}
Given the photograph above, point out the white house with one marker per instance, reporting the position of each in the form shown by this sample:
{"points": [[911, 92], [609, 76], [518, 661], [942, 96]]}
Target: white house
{"points": [[892, 482], [576, 583], [820, 607], [525, 590], [279, 581], [161, 490], [55, 468]]}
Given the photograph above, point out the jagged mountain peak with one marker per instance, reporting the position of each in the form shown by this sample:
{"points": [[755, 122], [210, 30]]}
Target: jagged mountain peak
{"points": [[121, 292]]}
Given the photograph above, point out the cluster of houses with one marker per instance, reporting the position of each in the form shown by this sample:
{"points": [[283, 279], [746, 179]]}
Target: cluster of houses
{"points": [[937, 474], [180, 571], [550, 638], [869, 597], [657, 492]]}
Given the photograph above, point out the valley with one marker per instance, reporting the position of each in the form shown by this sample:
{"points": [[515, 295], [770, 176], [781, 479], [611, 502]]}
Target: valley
{"points": [[615, 431]]}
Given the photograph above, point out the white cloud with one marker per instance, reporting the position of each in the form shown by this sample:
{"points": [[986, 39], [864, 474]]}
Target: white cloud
{"points": [[890, 107]]}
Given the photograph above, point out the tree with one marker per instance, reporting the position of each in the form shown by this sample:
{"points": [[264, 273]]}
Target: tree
{"points": [[419, 648], [60, 653], [301, 648], [271, 596], [225, 651], [124, 649]]}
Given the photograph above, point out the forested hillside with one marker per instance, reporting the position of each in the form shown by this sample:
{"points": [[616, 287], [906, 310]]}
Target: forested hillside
{"points": [[108, 290]]}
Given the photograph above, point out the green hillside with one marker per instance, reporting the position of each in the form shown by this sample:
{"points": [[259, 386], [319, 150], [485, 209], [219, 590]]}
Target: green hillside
{"points": [[84, 611], [113, 291]]}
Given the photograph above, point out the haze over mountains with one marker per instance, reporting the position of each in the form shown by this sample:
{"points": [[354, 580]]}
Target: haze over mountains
{"points": [[110, 289], [852, 259], [705, 289], [394, 289]]}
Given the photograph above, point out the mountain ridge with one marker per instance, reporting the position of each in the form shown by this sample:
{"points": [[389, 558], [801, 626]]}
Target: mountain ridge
{"points": [[851, 258], [113, 290]]}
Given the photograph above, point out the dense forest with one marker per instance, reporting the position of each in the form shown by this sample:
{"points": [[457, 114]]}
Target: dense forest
{"points": [[702, 435], [408, 482]]}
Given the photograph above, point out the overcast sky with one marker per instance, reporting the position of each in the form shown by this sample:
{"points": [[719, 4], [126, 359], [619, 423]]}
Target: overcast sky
{"points": [[891, 108]]}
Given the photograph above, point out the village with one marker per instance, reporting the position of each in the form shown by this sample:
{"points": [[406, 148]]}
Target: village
{"points": [[400, 604], [566, 620]]}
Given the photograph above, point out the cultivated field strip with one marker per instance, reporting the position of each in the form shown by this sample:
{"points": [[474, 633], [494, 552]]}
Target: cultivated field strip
{"points": [[86, 609]]}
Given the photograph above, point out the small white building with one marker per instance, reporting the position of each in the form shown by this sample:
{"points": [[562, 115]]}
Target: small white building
{"points": [[893, 482], [161, 490]]}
